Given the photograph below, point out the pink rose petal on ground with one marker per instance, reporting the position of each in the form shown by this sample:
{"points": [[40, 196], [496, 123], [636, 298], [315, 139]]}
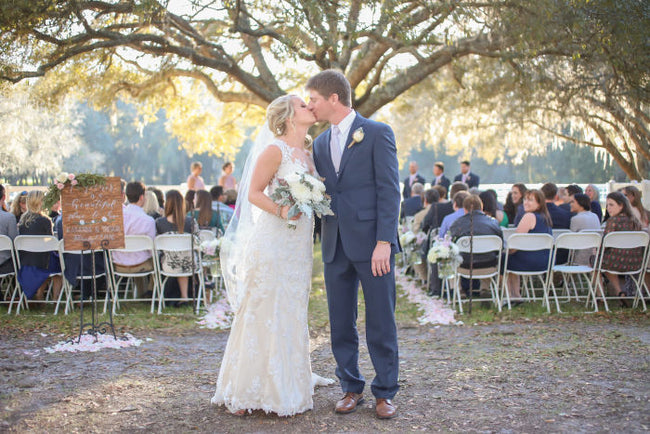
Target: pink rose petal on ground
{"points": [[87, 343], [434, 311], [218, 316]]}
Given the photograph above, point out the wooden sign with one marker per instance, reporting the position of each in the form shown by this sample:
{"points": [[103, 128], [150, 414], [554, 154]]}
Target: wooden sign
{"points": [[92, 216]]}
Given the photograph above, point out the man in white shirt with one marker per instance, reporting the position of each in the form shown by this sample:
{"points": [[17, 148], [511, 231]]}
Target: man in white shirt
{"points": [[136, 222]]}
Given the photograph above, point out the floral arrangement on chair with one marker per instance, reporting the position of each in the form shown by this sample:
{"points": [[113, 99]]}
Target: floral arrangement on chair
{"points": [[70, 180], [210, 249], [447, 255]]}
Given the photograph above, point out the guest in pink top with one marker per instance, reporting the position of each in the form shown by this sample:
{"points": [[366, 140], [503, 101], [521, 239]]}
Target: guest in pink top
{"points": [[194, 181], [227, 181]]}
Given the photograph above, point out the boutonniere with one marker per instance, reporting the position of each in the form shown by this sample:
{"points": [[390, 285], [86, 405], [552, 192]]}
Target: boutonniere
{"points": [[357, 137]]}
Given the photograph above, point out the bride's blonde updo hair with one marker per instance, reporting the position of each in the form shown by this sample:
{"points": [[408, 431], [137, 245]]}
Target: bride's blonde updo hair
{"points": [[278, 113]]}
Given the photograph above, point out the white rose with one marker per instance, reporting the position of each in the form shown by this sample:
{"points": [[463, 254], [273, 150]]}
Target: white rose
{"points": [[300, 192], [357, 136], [62, 177], [292, 179]]}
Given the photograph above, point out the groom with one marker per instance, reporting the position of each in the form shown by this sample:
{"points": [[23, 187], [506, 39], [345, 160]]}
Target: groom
{"points": [[358, 159]]}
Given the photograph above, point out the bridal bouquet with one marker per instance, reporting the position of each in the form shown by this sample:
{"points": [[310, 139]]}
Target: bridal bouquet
{"points": [[210, 249], [304, 193], [447, 255]]}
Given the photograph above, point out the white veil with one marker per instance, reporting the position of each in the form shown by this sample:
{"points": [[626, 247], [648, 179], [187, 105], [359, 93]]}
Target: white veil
{"points": [[235, 239]]}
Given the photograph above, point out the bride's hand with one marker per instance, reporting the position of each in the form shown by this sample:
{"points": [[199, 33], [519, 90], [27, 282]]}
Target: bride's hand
{"points": [[285, 213]]}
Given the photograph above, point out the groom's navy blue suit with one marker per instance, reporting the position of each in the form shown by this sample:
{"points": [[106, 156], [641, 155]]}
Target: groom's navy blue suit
{"points": [[365, 200]]}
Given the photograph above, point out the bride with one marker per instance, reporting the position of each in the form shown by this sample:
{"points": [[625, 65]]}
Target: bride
{"points": [[267, 269]]}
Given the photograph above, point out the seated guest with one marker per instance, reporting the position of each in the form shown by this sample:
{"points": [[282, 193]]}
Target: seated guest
{"points": [[150, 206], [458, 212], [518, 193], [562, 197], [439, 175], [594, 195], [413, 204], [560, 218], [159, 196], [55, 211], [621, 218], [443, 208], [489, 200], [509, 207], [469, 178], [431, 197], [536, 220], [136, 222], [231, 198], [571, 190], [8, 228], [177, 262], [480, 224], [218, 198], [19, 206], [583, 219], [36, 268], [189, 200], [206, 217], [442, 192], [413, 177], [633, 195]]}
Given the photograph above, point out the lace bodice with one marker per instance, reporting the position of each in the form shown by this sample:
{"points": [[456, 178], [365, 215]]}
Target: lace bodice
{"points": [[291, 163]]}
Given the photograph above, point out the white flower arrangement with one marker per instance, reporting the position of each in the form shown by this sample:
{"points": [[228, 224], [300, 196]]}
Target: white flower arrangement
{"points": [[444, 249], [304, 193], [210, 249]]}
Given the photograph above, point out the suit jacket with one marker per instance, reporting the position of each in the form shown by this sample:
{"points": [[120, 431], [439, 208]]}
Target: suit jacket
{"points": [[561, 218], [444, 181], [411, 206], [406, 192], [473, 180], [365, 195]]}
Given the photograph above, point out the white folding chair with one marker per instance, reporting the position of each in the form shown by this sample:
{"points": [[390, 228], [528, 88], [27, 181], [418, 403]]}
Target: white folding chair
{"points": [[527, 242], [622, 240], [507, 232], [558, 232], [132, 244], [208, 264], [34, 244], [573, 241], [67, 286], [178, 243], [8, 280], [481, 244]]}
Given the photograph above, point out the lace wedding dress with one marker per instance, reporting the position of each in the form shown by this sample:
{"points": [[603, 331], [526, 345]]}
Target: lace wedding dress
{"points": [[266, 363]]}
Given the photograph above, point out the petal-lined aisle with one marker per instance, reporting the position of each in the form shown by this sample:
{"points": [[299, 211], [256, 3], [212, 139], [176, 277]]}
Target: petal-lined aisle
{"points": [[434, 311]]}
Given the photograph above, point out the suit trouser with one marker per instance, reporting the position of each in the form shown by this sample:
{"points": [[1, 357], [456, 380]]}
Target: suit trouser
{"points": [[342, 278]]}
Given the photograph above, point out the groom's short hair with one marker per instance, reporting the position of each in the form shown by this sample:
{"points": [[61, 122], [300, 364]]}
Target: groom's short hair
{"points": [[330, 82]]}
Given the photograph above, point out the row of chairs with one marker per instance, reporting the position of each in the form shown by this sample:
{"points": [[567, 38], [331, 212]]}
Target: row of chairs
{"points": [[116, 281], [574, 276]]}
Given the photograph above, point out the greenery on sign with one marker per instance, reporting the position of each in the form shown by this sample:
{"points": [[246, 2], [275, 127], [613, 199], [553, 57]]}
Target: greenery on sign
{"points": [[70, 180]]}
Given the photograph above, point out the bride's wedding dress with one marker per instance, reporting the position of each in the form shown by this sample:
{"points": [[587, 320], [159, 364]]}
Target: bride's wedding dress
{"points": [[266, 363]]}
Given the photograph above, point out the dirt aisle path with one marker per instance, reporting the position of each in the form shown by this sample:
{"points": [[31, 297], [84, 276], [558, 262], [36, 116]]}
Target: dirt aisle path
{"points": [[568, 377]]}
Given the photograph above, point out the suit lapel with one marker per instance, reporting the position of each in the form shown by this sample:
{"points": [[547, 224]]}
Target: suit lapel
{"points": [[347, 151]]}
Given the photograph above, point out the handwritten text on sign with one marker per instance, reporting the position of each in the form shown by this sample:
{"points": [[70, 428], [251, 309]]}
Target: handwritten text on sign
{"points": [[93, 215]]}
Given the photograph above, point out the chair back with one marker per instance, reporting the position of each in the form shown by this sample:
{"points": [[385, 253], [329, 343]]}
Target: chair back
{"points": [[6, 244], [174, 242], [507, 232], [481, 244], [530, 242], [626, 239], [135, 243], [578, 240], [36, 243], [558, 232]]}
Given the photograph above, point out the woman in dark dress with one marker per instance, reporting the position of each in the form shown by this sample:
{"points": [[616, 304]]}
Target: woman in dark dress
{"points": [[620, 218], [177, 262], [36, 268], [518, 191], [536, 220]]}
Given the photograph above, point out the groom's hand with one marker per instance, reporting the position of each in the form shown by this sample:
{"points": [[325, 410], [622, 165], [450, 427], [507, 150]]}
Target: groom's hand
{"points": [[380, 262]]}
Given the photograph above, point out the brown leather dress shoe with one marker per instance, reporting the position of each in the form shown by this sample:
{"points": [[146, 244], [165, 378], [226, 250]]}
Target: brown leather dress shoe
{"points": [[385, 409], [349, 403]]}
